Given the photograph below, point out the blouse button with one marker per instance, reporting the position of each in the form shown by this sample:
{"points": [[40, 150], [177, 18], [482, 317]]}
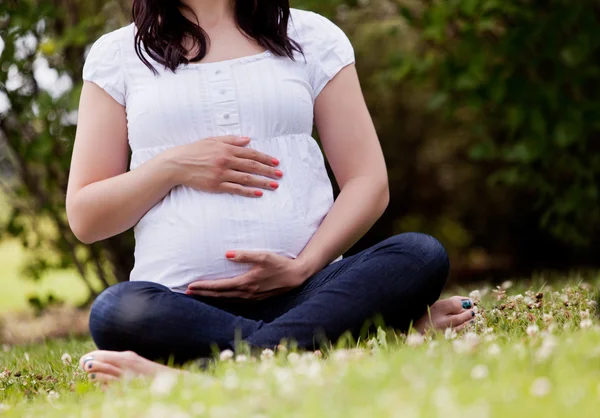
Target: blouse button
{"points": [[226, 116], [223, 91], [217, 72]]}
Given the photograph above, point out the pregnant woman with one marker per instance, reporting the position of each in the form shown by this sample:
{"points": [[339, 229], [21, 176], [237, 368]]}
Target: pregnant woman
{"points": [[237, 234]]}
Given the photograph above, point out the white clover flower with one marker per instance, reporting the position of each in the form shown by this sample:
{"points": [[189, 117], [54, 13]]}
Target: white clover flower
{"points": [[318, 354], [541, 387], [66, 359], [460, 346], [519, 297], [241, 358], [488, 331], [586, 323], [341, 355], [163, 384], [449, 334], [479, 372], [231, 381], [546, 349], [548, 317], [293, 357], [494, 350], [5, 348], [52, 395], [489, 338], [475, 294], [431, 348], [532, 330], [267, 354], [471, 338], [584, 314], [414, 340], [226, 355], [507, 284], [311, 370]]}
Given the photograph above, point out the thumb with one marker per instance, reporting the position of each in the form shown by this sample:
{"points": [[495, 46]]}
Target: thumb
{"points": [[239, 141]]}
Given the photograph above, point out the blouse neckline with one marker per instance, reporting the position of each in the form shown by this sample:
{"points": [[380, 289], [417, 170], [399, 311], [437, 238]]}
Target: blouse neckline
{"points": [[232, 61]]}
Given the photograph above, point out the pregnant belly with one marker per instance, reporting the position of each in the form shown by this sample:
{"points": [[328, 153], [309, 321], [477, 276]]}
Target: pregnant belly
{"points": [[184, 238]]}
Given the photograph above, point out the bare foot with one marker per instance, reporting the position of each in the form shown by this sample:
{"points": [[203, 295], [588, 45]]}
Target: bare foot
{"points": [[455, 313], [106, 366]]}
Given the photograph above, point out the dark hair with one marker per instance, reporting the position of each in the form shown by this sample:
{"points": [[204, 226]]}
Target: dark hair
{"points": [[162, 28]]}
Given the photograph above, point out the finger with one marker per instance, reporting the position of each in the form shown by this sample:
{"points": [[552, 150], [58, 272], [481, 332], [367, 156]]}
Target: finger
{"points": [[256, 156], [220, 295], [255, 167], [222, 285], [238, 141], [249, 257], [239, 190], [250, 180], [95, 366], [101, 377]]}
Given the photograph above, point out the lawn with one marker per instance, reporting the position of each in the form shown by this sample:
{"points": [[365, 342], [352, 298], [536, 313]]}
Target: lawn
{"points": [[528, 354], [16, 289]]}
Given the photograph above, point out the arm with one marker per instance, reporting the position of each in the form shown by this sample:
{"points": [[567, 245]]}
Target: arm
{"points": [[353, 150], [103, 199]]}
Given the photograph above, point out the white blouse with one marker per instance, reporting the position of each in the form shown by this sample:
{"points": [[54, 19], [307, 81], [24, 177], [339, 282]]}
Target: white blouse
{"points": [[184, 237]]}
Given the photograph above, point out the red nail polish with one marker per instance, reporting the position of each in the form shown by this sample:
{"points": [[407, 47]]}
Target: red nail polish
{"points": [[279, 173], [274, 185], [258, 193], [230, 254], [275, 161]]}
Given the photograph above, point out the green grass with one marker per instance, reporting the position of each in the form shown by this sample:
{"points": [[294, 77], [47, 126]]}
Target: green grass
{"points": [[502, 366], [16, 289]]}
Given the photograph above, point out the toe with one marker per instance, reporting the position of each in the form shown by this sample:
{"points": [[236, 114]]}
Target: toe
{"points": [[460, 319], [95, 367], [101, 377], [459, 304]]}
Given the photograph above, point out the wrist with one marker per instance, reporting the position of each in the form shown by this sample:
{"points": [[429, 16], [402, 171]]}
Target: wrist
{"points": [[305, 268], [169, 166]]}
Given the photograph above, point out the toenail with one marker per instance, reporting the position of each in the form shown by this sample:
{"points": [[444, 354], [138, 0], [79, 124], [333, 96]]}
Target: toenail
{"points": [[472, 313], [93, 375], [467, 304], [90, 365]]}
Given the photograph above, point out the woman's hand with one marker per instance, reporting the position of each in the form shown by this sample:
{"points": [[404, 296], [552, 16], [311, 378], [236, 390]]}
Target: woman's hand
{"points": [[224, 165], [271, 275]]}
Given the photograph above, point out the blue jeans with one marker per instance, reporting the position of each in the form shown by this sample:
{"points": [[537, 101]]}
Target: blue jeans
{"points": [[395, 280]]}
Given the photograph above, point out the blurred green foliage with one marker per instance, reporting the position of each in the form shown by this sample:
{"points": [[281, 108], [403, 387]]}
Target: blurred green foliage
{"points": [[465, 94], [525, 78]]}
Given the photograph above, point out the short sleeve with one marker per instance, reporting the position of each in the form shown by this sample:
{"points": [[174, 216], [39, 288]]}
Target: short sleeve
{"points": [[103, 66], [327, 47]]}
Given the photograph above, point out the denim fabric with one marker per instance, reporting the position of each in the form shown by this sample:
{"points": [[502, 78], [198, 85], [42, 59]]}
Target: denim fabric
{"points": [[394, 280]]}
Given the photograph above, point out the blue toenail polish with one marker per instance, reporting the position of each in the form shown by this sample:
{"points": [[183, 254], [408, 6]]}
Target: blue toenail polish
{"points": [[467, 304], [472, 313], [93, 376], [90, 365]]}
